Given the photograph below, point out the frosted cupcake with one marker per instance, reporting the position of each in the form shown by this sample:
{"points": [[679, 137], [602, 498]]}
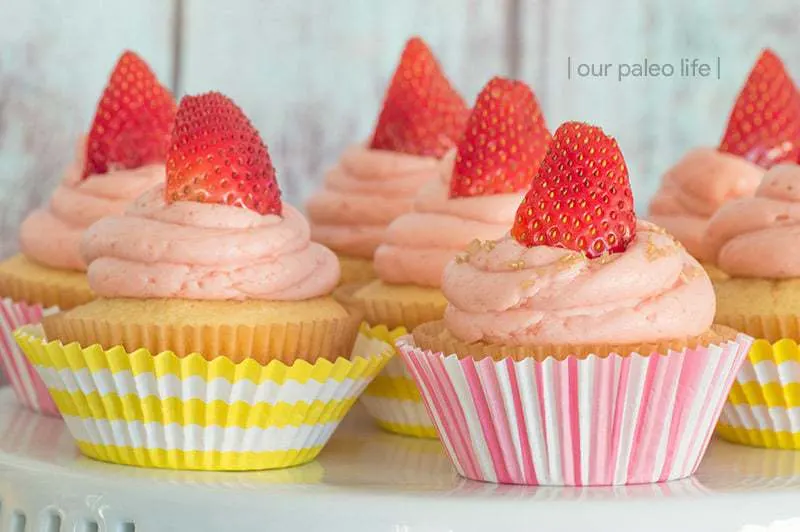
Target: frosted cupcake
{"points": [[753, 242], [214, 321], [122, 156], [373, 184], [578, 349], [475, 197], [763, 130]]}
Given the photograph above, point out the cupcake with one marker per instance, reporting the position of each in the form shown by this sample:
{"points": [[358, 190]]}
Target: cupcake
{"points": [[763, 130], [579, 348], [475, 197], [121, 157], [751, 241], [214, 327], [374, 183]]}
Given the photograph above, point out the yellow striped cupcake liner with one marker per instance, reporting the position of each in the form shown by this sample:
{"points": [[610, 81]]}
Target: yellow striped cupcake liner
{"points": [[392, 399], [763, 408], [176, 412]]}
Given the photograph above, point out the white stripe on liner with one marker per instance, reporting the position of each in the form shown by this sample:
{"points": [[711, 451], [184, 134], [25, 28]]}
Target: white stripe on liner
{"points": [[776, 418], [16, 358], [196, 438], [698, 413], [767, 371], [396, 368], [195, 387], [397, 411], [476, 436], [526, 379], [637, 375]]}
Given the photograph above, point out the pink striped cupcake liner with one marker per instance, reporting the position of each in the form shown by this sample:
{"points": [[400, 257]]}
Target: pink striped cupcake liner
{"points": [[21, 375], [579, 421]]}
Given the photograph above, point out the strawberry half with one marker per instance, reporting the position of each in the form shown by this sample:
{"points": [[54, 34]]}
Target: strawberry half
{"points": [[217, 156], [504, 142], [133, 121], [581, 197], [422, 114], [764, 126]]}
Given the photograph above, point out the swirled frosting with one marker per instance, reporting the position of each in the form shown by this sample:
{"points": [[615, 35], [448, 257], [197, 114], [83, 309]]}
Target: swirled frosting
{"points": [[695, 188], [419, 244], [758, 236], [504, 292], [362, 194], [206, 251], [51, 235]]}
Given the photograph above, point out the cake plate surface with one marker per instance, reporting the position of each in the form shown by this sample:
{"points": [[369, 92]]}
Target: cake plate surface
{"points": [[368, 481]]}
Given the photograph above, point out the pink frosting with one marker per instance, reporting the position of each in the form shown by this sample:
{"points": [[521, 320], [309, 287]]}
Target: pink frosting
{"points": [[504, 292], [758, 236], [51, 235], [362, 194], [418, 245], [695, 188], [206, 251]]}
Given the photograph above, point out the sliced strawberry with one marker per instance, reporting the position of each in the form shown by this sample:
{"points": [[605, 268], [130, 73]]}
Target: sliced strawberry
{"points": [[764, 126], [581, 197], [217, 156], [422, 114], [504, 141], [133, 121]]}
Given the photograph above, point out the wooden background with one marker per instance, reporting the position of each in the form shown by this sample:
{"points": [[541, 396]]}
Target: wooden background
{"points": [[311, 73]]}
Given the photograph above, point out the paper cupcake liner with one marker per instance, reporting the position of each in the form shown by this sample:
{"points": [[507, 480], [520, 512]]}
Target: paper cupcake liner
{"points": [[578, 421], [191, 413], [393, 400], [763, 408], [284, 342], [23, 378]]}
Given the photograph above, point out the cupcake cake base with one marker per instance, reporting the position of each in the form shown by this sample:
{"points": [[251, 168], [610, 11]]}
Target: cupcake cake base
{"points": [[264, 330], [400, 305], [25, 280], [355, 269]]}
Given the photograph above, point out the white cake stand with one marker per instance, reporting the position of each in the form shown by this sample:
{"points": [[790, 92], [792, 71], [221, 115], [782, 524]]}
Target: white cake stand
{"points": [[367, 481]]}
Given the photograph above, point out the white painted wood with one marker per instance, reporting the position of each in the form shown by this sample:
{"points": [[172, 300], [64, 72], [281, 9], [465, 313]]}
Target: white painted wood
{"points": [[55, 57], [655, 120], [311, 74]]}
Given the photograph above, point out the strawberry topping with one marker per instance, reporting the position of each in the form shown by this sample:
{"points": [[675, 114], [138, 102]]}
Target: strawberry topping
{"points": [[133, 121], [217, 156], [422, 114], [504, 141], [764, 126], [581, 198]]}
